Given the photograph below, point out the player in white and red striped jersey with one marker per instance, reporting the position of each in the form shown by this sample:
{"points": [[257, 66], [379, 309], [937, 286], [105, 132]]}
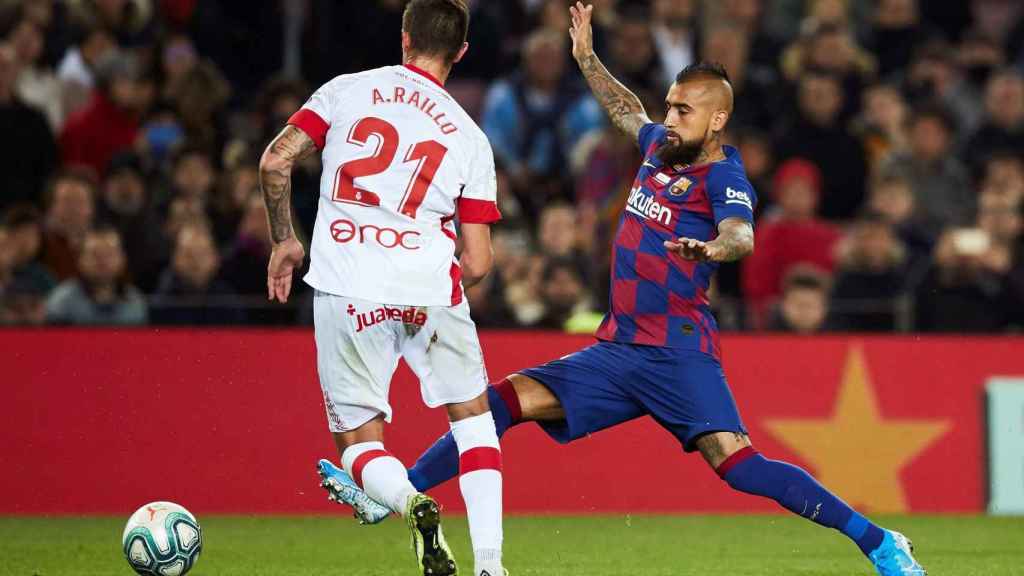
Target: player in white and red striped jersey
{"points": [[401, 163]]}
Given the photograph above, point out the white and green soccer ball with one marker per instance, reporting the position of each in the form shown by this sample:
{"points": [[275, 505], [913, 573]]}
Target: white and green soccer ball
{"points": [[162, 539]]}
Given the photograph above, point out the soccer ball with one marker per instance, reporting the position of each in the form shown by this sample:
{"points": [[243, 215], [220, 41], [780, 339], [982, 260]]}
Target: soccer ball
{"points": [[162, 539]]}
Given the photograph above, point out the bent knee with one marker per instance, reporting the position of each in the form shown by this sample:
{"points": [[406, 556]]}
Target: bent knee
{"points": [[536, 400], [717, 447]]}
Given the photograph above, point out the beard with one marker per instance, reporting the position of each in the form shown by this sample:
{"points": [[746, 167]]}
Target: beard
{"points": [[679, 151]]}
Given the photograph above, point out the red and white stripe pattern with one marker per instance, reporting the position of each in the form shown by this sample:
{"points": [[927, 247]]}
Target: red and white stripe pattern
{"points": [[382, 476], [480, 482]]}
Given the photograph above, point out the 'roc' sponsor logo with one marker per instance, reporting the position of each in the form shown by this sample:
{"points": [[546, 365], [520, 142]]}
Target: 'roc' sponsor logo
{"points": [[345, 231], [643, 205]]}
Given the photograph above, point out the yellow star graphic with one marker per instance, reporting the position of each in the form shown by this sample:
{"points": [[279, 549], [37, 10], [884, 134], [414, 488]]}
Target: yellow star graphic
{"points": [[857, 453]]}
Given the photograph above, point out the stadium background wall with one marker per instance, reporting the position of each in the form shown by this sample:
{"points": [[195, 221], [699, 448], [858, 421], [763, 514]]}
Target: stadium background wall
{"points": [[232, 421]]}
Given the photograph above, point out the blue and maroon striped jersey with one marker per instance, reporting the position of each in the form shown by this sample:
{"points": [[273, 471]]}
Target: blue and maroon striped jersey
{"points": [[658, 298]]}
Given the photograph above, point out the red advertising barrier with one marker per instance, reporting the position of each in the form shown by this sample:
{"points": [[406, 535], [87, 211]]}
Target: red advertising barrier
{"points": [[233, 421]]}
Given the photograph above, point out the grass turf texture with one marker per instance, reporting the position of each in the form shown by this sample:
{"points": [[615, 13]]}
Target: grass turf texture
{"points": [[562, 546]]}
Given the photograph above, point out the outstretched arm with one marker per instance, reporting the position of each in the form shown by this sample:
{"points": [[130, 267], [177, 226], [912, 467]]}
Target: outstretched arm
{"points": [[735, 241], [622, 106], [290, 146]]}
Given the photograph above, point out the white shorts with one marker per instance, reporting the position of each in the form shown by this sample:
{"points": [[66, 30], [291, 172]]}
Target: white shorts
{"points": [[358, 344]]}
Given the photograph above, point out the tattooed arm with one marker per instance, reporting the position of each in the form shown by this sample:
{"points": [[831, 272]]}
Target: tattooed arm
{"points": [[622, 106], [735, 241], [290, 146]]}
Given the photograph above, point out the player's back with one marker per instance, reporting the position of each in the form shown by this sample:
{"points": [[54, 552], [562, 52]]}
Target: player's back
{"points": [[400, 156]]}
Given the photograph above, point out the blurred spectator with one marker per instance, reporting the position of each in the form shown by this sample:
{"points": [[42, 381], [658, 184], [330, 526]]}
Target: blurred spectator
{"points": [[523, 292], [562, 294], [245, 266], [1000, 217], [792, 236], [190, 290], [941, 185], [819, 136], [749, 16], [633, 59], [934, 75], [110, 122], [755, 87], [535, 118], [236, 187], [24, 303], [31, 156], [675, 35], [882, 124], [182, 211], [980, 55], [1004, 174], [77, 69], [192, 175], [892, 199], [37, 85], [830, 48], [870, 277], [70, 212], [488, 33], [24, 242], [558, 237], [130, 20], [508, 292], [127, 205], [100, 295], [1003, 128], [897, 30], [758, 158], [966, 288], [803, 308], [199, 97], [177, 59], [160, 134]]}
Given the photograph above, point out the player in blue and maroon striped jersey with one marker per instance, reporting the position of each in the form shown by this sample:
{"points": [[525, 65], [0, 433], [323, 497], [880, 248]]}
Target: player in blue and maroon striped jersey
{"points": [[690, 208]]}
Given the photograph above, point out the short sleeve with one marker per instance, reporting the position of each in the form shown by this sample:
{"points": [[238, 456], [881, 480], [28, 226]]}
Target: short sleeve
{"points": [[650, 135], [478, 203], [732, 196], [314, 118]]}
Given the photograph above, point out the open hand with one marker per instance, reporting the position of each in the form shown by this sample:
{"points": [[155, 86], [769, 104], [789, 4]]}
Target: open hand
{"points": [[691, 249], [284, 259], [581, 32]]}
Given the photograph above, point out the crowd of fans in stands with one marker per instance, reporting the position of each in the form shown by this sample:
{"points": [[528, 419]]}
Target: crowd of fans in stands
{"points": [[885, 139]]}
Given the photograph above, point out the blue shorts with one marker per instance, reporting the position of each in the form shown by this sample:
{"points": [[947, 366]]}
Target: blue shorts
{"points": [[610, 383]]}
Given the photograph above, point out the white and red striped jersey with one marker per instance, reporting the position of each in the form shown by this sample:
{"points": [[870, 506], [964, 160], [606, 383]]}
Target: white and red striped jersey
{"points": [[400, 159]]}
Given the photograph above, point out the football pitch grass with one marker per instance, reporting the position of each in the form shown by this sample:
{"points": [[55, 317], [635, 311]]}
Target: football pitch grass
{"points": [[556, 546]]}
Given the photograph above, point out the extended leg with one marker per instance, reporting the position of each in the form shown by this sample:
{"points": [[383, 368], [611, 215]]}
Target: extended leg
{"points": [[744, 469], [515, 399]]}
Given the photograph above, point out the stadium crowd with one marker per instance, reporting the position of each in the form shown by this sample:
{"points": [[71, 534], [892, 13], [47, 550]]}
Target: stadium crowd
{"points": [[885, 139]]}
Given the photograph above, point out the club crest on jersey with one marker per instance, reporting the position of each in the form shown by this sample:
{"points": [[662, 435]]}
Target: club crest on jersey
{"points": [[643, 205], [680, 187]]}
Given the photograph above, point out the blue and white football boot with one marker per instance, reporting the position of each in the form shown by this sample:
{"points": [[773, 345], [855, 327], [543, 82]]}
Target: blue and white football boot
{"points": [[893, 556], [341, 488]]}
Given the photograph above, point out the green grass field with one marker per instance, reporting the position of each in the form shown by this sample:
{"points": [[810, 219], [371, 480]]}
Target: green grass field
{"points": [[562, 546]]}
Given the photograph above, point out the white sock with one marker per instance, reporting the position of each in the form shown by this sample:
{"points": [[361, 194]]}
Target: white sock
{"points": [[480, 481], [380, 474]]}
